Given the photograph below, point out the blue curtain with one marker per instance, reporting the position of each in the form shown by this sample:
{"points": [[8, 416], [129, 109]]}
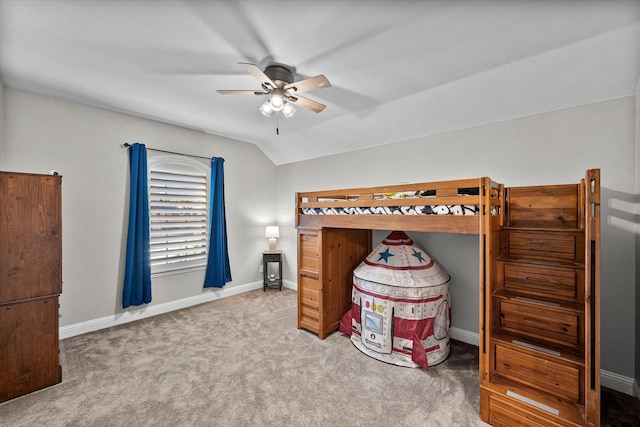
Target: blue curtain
{"points": [[137, 272], [218, 268]]}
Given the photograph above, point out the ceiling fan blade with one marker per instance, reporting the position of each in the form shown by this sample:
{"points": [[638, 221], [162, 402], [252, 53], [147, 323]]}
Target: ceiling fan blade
{"points": [[242, 92], [258, 74], [312, 83], [314, 106]]}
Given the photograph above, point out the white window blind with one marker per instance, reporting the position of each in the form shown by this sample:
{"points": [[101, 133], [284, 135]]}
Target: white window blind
{"points": [[178, 216]]}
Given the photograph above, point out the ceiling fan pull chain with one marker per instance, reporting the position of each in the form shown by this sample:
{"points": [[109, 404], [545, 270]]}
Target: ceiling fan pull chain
{"points": [[277, 124]]}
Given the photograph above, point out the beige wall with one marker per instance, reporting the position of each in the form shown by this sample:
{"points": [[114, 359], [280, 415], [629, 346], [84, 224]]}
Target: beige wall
{"points": [[85, 145], [551, 148]]}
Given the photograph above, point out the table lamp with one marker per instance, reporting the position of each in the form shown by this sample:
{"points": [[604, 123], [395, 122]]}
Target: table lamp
{"points": [[272, 232]]}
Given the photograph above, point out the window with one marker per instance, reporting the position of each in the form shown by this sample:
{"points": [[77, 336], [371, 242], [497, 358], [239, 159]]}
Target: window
{"points": [[178, 209]]}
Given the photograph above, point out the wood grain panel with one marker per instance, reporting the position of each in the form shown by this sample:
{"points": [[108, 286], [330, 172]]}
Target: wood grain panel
{"points": [[31, 236], [543, 246], [553, 206], [544, 281], [310, 293], [540, 322], [309, 253], [505, 414], [29, 358], [538, 372], [462, 224]]}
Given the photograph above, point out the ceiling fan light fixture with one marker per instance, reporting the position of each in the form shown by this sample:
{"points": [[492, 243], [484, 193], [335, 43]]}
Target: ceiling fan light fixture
{"points": [[266, 109], [288, 110], [277, 102]]}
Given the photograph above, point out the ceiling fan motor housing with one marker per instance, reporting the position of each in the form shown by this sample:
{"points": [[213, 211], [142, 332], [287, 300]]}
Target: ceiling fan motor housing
{"points": [[279, 74]]}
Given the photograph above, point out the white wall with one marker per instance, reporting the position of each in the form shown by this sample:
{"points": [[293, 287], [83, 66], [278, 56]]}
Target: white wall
{"points": [[550, 148], [85, 145]]}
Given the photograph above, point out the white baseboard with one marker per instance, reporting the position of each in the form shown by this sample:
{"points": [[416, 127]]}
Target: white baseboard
{"points": [[153, 310], [289, 284], [617, 382], [608, 379], [458, 334], [149, 311]]}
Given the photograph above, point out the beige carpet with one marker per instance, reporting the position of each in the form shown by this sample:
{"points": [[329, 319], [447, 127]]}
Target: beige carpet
{"points": [[241, 361]]}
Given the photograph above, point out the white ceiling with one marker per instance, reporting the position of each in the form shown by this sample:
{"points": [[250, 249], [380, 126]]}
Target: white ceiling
{"points": [[399, 69]]}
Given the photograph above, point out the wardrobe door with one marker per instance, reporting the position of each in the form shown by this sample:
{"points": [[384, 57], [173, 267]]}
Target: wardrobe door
{"points": [[29, 357], [31, 232]]}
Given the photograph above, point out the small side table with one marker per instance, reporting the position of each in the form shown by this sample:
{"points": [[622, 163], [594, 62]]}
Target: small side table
{"points": [[267, 257]]}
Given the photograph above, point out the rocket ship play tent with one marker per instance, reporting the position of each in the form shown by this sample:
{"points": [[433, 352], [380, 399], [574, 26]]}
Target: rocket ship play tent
{"points": [[401, 310]]}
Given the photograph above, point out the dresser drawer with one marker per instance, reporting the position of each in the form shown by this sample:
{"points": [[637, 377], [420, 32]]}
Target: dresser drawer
{"points": [[504, 414], [309, 304], [540, 322], [309, 253], [545, 375], [544, 281], [309, 292]]}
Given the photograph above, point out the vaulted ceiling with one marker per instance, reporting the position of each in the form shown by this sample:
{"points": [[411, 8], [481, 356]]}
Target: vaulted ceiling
{"points": [[398, 69]]}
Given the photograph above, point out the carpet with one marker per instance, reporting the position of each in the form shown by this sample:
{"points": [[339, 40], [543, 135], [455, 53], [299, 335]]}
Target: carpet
{"points": [[241, 361]]}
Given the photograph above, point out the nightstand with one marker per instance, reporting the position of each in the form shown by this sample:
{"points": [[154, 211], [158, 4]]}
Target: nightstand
{"points": [[269, 280]]}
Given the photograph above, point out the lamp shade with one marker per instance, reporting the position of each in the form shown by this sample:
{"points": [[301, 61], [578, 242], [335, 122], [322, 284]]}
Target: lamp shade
{"points": [[288, 110], [266, 109], [272, 231], [277, 102]]}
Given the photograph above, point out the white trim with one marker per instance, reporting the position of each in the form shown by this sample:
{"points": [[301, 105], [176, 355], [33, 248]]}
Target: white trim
{"points": [[291, 285], [636, 389], [617, 382], [153, 310], [458, 334]]}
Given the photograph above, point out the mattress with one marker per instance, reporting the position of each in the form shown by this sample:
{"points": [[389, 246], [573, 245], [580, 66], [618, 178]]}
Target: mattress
{"points": [[396, 210]]}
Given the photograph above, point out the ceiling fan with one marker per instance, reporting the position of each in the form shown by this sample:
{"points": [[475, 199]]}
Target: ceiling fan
{"points": [[277, 81]]}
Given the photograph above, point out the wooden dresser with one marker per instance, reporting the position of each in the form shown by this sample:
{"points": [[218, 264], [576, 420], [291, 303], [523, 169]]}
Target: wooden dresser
{"points": [[30, 282], [326, 259]]}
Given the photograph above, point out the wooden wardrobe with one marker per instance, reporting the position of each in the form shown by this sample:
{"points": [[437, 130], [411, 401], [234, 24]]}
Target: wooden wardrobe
{"points": [[30, 282], [539, 263]]}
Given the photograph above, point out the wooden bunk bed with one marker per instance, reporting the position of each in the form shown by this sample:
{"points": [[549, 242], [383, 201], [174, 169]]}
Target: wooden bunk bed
{"points": [[539, 250]]}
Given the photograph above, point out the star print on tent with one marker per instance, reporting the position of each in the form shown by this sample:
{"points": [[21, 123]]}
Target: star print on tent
{"points": [[385, 255], [418, 255]]}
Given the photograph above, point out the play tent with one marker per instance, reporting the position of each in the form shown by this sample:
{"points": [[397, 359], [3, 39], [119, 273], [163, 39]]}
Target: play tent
{"points": [[401, 308]]}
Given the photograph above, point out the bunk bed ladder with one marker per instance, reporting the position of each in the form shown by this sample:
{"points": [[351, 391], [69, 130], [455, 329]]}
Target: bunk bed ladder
{"points": [[592, 288]]}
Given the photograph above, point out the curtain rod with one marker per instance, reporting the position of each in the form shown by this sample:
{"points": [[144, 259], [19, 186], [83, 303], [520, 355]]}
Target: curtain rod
{"points": [[126, 144]]}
